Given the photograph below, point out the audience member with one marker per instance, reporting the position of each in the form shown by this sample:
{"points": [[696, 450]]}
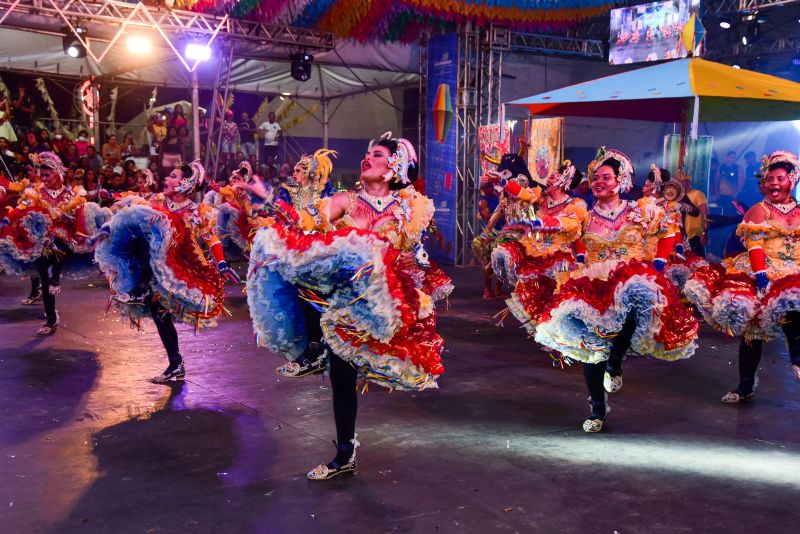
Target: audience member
{"points": [[247, 131], [60, 143], [95, 161], [230, 135], [82, 143], [696, 228], [112, 151], [178, 117], [171, 150], [6, 128], [271, 132], [70, 155], [24, 108]]}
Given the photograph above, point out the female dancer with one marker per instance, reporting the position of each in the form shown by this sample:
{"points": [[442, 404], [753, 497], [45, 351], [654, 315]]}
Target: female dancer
{"points": [[542, 259], [756, 295], [511, 209], [51, 225], [151, 256], [670, 196], [366, 285], [617, 303], [508, 257]]}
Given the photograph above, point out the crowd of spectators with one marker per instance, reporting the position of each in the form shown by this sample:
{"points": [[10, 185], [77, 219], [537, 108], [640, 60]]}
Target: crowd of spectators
{"points": [[115, 163]]}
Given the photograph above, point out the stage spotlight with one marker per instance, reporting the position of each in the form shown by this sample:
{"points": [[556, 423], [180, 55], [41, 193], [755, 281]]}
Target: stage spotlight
{"points": [[286, 93], [744, 40], [72, 46], [139, 44], [725, 25], [301, 66], [198, 52]]}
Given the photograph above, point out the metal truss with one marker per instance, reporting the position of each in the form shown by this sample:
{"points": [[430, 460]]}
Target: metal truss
{"points": [[422, 104], [766, 46], [467, 187], [217, 115], [535, 43], [717, 8], [112, 18]]}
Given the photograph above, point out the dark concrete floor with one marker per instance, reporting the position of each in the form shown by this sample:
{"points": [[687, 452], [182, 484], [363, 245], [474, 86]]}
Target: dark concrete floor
{"points": [[88, 445]]}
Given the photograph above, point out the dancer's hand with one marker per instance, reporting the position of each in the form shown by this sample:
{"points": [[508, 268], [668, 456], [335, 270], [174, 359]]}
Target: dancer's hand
{"points": [[227, 273], [407, 261], [762, 281], [256, 187]]}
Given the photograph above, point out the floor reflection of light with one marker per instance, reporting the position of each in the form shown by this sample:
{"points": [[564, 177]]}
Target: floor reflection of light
{"points": [[756, 464]]}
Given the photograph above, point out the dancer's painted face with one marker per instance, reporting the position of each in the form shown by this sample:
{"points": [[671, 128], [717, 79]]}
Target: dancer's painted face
{"points": [[375, 164], [604, 183], [173, 181], [553, 185], [777, 187]]}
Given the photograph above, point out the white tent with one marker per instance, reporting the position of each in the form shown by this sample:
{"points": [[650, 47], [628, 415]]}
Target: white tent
{"points": [[348, 70]]}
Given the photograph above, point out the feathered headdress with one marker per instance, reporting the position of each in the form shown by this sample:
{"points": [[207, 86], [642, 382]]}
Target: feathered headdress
{"points": [[318, 167], [49, 160], [149, 179], [244, 172], [625, 177], [780, 156]]}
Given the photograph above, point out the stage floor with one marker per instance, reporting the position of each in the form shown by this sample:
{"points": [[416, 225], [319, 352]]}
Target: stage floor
{"points": [[88, 445]]}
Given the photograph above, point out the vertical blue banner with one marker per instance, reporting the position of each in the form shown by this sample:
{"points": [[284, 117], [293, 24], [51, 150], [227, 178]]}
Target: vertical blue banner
{"points": [[440, 143]]}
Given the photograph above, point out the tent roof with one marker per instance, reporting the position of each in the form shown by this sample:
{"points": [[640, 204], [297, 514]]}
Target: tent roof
{"points": [[349, 69], [666, 91]]}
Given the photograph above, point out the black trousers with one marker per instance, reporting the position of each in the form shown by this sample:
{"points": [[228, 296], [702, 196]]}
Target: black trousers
{"points": [[49, 268], [593, 372], [161, 316], [343, 381], [750, 353]]}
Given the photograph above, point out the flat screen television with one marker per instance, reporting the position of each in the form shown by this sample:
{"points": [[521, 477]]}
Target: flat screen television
{"points": [[649, 32]]}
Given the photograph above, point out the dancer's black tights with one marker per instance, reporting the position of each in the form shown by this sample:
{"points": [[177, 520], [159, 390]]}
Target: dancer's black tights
{"points": [[343, 383], [750, 353], [49, 268], [163, 320], [593, 372]]}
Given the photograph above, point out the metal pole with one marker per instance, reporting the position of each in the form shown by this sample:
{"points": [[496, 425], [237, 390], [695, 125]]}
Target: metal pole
{"points": [[325, 122], [196, 114]]}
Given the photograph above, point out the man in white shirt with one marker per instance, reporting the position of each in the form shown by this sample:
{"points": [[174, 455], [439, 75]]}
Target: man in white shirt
{"points": [[271, 132]]}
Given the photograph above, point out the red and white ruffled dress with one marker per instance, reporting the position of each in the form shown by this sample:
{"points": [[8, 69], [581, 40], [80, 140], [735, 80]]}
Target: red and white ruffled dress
{"points": [[168, 236], [727, 295], [48, 221], [541, 261], [375, 312], [593, 305]]}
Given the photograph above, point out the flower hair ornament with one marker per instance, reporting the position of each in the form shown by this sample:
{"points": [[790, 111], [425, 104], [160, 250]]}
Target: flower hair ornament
{"points": [[780, 156], [404, 158], [149, 179], [625, 177], [48, 160], [193, 176], [565, 178]]}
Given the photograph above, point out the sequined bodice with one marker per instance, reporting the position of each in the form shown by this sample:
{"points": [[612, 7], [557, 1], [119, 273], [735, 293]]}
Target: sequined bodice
{"points": [[570, 215], [779, 237], [624, 236]]}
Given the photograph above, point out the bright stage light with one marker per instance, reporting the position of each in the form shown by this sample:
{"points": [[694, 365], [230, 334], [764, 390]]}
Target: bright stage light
{"points": [[72, 45], [286, 93], [139, 44], [744, 40], [725, 25], [197, 52]]}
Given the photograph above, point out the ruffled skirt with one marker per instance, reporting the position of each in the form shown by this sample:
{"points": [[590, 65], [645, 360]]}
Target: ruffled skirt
{"points": [[592, 307], [731, 303], [23, 240], [154, 248], [374, 313], [679, 270]]}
